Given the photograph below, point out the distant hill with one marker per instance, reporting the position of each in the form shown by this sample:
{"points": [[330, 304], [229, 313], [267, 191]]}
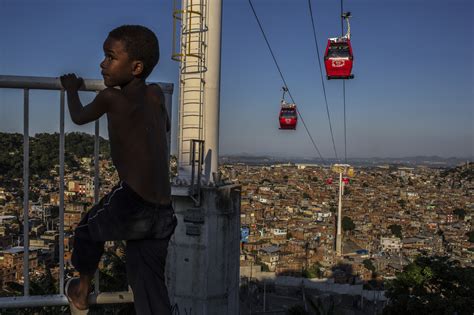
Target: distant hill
{"points": [[461, 172], [432, 161], [44, 152]]}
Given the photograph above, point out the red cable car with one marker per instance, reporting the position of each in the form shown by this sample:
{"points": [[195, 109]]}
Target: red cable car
{"points": [[288, 116], [338, 58]]}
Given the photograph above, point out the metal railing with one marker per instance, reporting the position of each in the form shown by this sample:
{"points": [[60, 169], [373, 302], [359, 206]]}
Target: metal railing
{"points": [[47, 83]]}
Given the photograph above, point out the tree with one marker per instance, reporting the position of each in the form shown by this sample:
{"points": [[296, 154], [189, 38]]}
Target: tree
{"points": [[461, 213], [470, 235], [369, 265], [396, 230], [41, 285], [314, 271], [435, 285], [347, 224], [402, 203]]}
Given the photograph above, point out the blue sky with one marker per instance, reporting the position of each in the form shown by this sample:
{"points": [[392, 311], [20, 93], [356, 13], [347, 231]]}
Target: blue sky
{"points": [[412, 93]]}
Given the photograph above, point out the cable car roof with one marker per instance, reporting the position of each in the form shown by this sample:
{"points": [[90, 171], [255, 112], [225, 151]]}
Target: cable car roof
{"points": [[288, 106], [344, 39]]}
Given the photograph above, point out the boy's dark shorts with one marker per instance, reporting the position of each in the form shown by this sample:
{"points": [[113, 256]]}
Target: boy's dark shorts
{"points": [[124, 215]]}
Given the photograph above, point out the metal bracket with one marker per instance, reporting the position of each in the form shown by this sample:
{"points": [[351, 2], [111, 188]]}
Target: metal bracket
{"points": [[195, 188], [193, 218], [193, 230], [194, 215]]}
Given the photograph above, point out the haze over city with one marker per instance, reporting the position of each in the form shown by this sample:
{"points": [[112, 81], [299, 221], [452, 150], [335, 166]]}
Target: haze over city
{"points": [[413, 65]]}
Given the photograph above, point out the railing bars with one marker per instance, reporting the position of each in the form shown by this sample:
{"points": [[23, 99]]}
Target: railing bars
{"points": [[26, 198], [46, 83], [96, 185], [61, 192]]}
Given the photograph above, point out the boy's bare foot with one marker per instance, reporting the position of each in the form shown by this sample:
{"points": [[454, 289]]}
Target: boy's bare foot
{"points": [[77, 295]]}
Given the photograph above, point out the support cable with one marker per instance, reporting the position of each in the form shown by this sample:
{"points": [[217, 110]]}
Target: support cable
{"points": [[284, 81], [344, 88], [322, 79], [345, 133]]}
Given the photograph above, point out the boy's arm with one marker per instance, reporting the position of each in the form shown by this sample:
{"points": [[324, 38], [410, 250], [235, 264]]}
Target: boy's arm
{"points": [[83, 114]]}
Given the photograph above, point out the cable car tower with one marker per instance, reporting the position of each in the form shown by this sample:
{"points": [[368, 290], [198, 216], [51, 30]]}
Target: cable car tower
{"points": [[203, 256], [196, 24], [341, 169]]}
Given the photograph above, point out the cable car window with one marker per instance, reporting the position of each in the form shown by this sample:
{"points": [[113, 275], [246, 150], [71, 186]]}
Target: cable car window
{"points": [[288, 114], [338, 51]]}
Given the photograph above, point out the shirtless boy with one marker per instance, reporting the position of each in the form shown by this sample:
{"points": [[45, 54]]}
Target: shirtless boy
{"points": [[138, 209]]}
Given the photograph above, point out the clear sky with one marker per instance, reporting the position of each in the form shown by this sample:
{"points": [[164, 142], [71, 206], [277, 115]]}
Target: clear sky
{"points": [[412, 93]]}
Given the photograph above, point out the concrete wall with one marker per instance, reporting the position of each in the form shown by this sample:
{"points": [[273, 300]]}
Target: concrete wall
{"points": [[203, 256], [325, 285]]}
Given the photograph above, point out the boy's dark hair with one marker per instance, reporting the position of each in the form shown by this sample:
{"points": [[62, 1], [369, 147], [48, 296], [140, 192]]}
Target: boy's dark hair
{"points": [[140, 44]]}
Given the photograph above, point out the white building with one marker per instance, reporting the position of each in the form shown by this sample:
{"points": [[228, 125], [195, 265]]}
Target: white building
{"points": [[390, 244]]}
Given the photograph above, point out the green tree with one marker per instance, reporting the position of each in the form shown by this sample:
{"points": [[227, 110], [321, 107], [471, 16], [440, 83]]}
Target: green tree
{"points": [[461, 213], [347, 224], [402, 203], [314, 271], [369, 265], [396, 230], [434, 285], [470, 235], [42, 285]]}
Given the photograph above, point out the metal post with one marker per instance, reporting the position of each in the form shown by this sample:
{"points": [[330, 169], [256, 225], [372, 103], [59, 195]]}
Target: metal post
{"points": [[96, 187], [212, 89], [200, 161], [26, 179], [339, 220], [192, 161], [61, 193], [340, 169]]}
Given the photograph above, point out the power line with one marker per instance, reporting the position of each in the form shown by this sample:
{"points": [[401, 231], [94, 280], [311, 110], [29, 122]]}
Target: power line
{"points": [[322, 79], [284, 81]]}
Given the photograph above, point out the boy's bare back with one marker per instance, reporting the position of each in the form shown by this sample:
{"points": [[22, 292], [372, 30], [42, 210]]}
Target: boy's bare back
{"points": [[137, 133]]}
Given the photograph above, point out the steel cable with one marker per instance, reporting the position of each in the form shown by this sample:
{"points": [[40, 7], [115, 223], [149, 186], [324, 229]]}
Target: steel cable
{"points": [[284, 81]]}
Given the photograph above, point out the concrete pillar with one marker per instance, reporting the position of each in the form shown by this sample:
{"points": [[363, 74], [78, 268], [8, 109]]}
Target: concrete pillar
{"points": [[212, 89], [203, 256]]}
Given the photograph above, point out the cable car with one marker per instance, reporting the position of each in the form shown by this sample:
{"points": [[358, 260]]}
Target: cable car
{"points": [[338, 58], [288, 116]]}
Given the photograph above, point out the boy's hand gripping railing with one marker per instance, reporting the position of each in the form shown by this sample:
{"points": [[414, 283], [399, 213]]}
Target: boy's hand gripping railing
{"points": [[44, 83]]}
